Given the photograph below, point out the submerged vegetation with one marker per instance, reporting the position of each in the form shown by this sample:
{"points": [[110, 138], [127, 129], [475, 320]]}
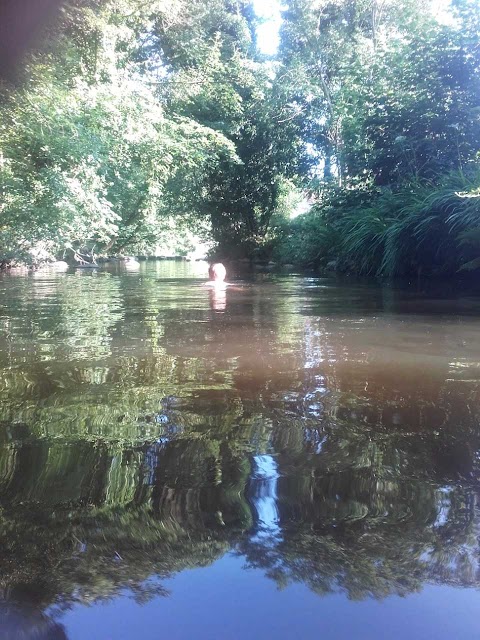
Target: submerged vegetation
{"points": [[142, 127]]}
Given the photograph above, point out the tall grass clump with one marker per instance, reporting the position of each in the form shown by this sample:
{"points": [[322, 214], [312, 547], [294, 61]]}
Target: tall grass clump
{"points": [[420, 228], [430, 234]]}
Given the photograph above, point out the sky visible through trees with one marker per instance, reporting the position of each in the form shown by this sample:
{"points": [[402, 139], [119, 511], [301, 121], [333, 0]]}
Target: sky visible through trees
{"points": [[270, 12]]}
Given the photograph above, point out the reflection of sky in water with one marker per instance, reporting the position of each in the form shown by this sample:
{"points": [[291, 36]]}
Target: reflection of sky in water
{"points": [[443, 506], [264, 496], [224, 601]]}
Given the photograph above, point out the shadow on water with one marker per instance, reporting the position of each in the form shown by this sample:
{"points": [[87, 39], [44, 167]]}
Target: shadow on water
{"points": [[327, 433], [27, 624]]}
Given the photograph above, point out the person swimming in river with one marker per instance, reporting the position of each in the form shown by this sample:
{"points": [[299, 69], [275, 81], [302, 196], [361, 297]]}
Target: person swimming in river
{"points": [[217, 274], [218, 291]]}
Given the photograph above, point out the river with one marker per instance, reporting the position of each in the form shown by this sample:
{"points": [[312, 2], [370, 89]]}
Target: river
{"points": [[289, 457]]}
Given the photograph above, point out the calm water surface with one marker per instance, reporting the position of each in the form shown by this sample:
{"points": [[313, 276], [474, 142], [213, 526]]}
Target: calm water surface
{"points": [[291, 457]]}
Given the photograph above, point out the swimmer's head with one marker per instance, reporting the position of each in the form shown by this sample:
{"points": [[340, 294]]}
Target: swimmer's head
{"points": [[217, 272]]}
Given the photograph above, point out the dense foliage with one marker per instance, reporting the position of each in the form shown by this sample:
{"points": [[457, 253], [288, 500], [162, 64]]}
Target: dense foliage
{"points": [[142, 127], [136, 125], [395, 120]]}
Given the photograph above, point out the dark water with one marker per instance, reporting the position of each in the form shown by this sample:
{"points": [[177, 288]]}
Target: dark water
{"points": [[291, 457]]}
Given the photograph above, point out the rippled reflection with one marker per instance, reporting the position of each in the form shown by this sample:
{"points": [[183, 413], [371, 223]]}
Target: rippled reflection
{"points": [[327, 433], [264, 496]]}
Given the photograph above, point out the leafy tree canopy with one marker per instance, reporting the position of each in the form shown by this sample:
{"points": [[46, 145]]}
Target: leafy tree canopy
{"points": [[136, 125]]}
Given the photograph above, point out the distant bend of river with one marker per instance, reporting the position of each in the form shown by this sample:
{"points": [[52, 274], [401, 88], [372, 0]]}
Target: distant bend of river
{"points": [[282, 457]]}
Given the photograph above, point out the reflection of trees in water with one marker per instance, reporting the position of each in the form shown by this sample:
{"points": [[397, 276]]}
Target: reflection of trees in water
{"points": [[143, 456], [357, 533], [365, 560], [368, 518], [81, 553], [261, 355]]}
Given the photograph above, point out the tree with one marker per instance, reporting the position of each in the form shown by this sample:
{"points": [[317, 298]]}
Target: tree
{"points": [[394, 117]]}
